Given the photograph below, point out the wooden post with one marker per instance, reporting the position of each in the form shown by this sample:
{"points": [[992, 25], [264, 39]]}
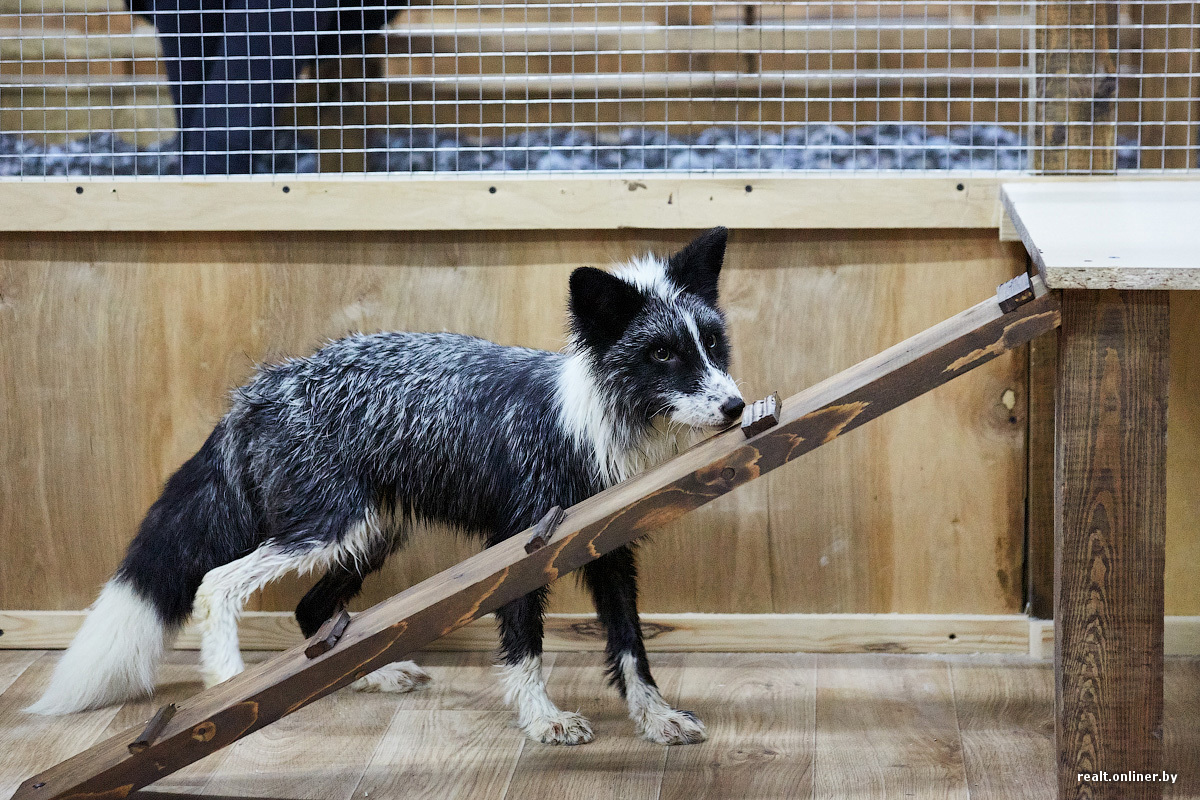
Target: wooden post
{"points": [[1075, 129], [1039, 486], [341, 113], [1075, 132], [1169, 91], [1110, 531]]}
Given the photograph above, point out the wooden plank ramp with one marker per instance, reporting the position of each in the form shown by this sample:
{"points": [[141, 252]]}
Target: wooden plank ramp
{"points": [[406, 622]]}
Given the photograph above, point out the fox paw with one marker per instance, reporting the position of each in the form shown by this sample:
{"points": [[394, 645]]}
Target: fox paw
{"points": [[565, 727], [671, 727], [400, 677]]}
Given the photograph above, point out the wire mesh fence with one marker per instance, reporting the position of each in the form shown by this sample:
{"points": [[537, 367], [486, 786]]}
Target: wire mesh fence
{"points": [[236, 87]]}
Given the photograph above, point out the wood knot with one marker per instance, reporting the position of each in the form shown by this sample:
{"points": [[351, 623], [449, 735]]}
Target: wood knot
{"points": [[204, 732], [728, 473], [592, 629]]}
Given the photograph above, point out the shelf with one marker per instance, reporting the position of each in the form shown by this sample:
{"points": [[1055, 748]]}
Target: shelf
{"points": [[24, 44]]}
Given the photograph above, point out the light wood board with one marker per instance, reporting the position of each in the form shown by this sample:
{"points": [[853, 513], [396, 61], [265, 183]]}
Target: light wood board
{"points": [[468, 202], [816, 633], [1110, 235]]}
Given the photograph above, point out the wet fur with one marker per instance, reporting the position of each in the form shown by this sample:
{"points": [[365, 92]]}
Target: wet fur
{"points": [[324, 463]]}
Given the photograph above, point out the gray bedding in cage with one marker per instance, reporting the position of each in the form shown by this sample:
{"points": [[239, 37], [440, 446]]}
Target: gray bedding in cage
{"points": [[635, 148]]}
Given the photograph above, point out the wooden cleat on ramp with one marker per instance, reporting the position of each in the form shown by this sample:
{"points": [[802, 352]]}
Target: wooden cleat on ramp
{"points": [[328, 634], [544, 529], [760, 415]]}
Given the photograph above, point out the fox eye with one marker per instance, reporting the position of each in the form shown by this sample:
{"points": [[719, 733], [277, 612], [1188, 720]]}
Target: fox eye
{"points": [[710, 341], [661, 354]]}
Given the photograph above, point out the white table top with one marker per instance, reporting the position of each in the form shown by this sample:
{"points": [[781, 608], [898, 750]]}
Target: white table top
{"points": [[1110, 234]]}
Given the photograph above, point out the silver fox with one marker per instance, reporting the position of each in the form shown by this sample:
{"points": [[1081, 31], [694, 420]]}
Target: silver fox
{"points": [[325, 463]]}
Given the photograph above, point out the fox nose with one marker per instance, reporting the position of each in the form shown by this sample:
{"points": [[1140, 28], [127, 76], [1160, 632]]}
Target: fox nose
{"points": [[732, 408]]}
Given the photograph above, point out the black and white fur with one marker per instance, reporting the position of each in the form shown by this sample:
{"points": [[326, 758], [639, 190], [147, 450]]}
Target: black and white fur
{"points": [[325, 462]]}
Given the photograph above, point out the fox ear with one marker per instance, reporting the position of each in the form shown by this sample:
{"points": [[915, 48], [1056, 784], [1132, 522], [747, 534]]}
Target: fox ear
{"points": [[602, 306], [697, 266]]}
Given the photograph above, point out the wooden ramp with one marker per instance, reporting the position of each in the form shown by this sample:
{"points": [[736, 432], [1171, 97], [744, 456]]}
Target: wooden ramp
{"points": [[412, 619]]}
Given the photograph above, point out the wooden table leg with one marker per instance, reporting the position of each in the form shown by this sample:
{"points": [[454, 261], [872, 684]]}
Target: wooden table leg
{"points": [[1109, 532]]}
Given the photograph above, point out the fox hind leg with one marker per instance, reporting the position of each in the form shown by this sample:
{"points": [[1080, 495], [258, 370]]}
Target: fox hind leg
{"points": [[341, 584], [223, 594]]}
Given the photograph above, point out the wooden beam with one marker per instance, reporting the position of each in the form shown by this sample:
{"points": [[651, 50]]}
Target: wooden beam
{"points": [[482, 583], [701, 83], [1181, 637], [109, 81], [1169, 90], [48, 7], [684, 632], [445, 35], [465, 201], [26, 44], [1039, 491], [501, 202], [1110, 534], [567, 201], [664, 633], [1077, 85]]}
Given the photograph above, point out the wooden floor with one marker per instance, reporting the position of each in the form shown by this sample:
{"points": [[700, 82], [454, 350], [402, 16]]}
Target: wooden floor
{"points": [[780, 726]]}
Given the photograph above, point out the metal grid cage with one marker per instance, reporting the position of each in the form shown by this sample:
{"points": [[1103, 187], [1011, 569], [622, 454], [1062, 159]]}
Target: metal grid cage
{"points": [[235, 87]]}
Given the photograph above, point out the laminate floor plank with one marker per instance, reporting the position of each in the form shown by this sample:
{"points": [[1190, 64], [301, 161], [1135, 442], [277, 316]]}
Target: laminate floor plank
{"points": [[886, 729], [318, 753], [617, 764], [760, 710], [1006, 717], [30, 743], [780, 726], [1181, 727]]}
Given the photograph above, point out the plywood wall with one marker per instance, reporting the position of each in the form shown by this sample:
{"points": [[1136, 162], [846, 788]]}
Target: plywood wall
{"points": [[1183, 457], [117, 350]]}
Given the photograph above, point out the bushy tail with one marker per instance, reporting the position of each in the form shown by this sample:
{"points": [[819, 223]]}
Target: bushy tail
{"points": [[200, 522], [113, 658]]}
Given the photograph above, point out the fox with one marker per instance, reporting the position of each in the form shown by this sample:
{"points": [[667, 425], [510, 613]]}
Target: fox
{"points": [[326, 464]]}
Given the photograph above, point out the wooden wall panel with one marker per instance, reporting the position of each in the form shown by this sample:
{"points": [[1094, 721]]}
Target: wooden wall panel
{"points": [[118, 350], [1183, 458]]}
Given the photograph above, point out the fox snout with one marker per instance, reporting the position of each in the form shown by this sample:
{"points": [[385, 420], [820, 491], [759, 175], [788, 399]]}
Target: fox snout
{"points": [[732, 408]]}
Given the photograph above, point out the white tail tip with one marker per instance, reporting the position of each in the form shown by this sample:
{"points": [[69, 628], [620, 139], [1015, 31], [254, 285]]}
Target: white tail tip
{"points": [[113, 658]]}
